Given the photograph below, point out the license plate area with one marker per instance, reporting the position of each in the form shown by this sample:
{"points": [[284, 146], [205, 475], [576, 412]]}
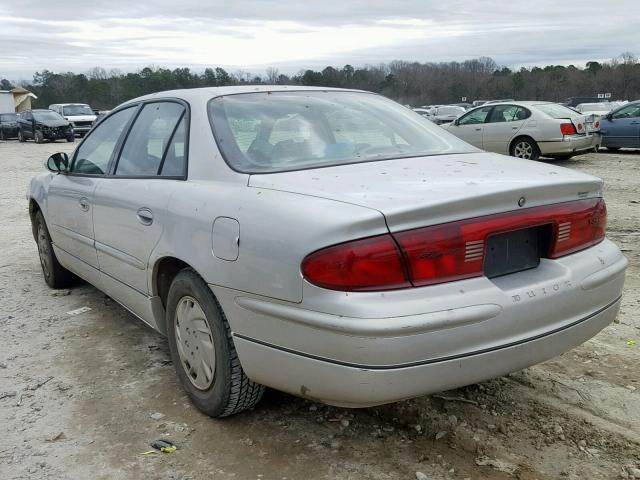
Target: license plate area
{"points": [[514, 251]]}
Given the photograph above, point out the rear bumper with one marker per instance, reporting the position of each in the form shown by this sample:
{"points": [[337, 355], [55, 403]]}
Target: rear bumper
{"points": [[367, 348], [358, 386], [10, 132], [570, 144]]}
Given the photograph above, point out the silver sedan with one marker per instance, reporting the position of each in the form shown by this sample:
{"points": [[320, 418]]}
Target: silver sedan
{"points": [[528, 130], [328, 243]]}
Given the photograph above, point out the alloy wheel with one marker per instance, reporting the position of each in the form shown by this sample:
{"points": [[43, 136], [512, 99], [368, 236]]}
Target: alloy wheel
{"points": [[194, 342], [523, 150]]}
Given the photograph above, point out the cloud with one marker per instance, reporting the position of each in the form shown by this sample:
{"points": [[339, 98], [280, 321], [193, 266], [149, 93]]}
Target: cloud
{"points": [[252, 34]]}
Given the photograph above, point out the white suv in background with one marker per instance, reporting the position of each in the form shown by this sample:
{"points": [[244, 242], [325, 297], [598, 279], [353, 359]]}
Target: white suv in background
{"points": [[79, 115]]}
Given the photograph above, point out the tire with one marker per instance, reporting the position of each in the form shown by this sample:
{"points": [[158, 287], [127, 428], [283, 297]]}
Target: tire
{"points": [[55, 274], [2, 135], [21, 138], [195, 319], [38, 136], [525, 148], [71, 139]]}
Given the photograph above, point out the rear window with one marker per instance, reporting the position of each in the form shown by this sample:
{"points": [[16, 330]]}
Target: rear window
{"points": [[280, 131], [555, 110], [9, 117]]}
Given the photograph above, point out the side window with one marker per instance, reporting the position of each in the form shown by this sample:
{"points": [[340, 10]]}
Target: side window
{"points": [[503, 113], [175, 157], [474, 117], [630, 111], [92, 157], [149, 139]]}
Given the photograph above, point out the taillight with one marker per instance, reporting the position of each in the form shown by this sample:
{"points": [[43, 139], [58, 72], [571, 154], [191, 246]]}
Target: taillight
{"points": [[451, 251], [369, 264], [567, 129], [578, 228], [597, 124]]}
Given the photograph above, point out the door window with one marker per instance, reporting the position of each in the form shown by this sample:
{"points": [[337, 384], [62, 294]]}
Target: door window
{"points": [[476, 116], [156, 139], [630, 111], [93, 155], [508, 113]]}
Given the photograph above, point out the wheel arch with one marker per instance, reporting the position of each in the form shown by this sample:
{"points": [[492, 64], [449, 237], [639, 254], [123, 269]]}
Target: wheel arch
{"points": [[34, 208], [163, 272], [520, 137]]}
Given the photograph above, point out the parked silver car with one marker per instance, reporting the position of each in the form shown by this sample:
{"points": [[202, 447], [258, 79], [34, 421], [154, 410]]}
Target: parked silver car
{"points": [[328, 243], [527, 130]]}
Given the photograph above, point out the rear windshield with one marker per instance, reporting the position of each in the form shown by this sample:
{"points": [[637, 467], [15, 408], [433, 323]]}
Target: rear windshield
{"points": [[73, 110], [451, 111], [280, 131], [595, 107], [9, 117], [555, 110]]}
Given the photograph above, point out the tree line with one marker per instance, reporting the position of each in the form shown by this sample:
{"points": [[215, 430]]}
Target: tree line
{"points": [[410, 83]]}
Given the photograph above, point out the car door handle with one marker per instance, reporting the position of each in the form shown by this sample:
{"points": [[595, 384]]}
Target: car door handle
{"points": [[145, 216], [514, 128], [635, 123], [478, 129], [84, 204]]}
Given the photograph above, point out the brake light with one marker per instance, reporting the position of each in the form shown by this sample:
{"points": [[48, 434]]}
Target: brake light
{"points": [[597, 124], [369, 264], [567, 129], [451, 251]]}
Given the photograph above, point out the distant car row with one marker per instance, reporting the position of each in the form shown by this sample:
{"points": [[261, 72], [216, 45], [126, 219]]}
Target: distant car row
{"points": [[59, 121], [533, 129]]}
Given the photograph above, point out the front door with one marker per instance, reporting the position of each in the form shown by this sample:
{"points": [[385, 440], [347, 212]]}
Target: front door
{"points": [[70, 200], [470, 126], [131, 204]]}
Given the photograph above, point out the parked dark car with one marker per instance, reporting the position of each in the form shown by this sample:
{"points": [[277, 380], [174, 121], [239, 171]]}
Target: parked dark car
{"points": [[573, 102], [621, 127], [8, 125], [41, 125]]}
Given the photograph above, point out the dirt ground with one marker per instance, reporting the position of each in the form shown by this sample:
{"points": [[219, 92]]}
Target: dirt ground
{"points": [[82, 396]]}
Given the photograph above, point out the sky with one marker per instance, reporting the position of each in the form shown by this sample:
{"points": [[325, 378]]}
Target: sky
{"points": [[252, 35]]}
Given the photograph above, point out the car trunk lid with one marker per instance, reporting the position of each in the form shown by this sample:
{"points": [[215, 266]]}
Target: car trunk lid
{"points": [[423, 191]]}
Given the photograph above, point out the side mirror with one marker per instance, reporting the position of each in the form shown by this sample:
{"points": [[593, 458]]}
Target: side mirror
{"points": [[58, 163], [455, 122]]}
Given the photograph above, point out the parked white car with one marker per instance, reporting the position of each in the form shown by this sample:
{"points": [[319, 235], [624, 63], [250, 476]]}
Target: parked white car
{"points": [[527, 130], [600, 109], [446, 114], [79, 115]]}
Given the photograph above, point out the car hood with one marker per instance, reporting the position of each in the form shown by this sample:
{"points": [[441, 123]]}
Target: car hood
{"points": [[53, 123], [422, 191]]}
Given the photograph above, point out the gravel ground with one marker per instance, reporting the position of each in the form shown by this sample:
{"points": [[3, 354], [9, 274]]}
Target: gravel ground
{"points": [[83, 396]]}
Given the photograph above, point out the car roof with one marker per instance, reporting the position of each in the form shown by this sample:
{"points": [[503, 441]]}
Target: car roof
{"points": [[205, 93], [67, 104]]}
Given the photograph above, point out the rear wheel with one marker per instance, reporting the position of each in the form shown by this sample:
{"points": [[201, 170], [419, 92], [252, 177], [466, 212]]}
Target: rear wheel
{"points": [[71, 138], [2, 135], [38, 136], [55, 274], [203, 352], [526, 148]]}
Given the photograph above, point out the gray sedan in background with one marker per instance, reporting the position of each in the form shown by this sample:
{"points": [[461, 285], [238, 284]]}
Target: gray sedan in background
{"points": [[528, 130], [328, 243]]}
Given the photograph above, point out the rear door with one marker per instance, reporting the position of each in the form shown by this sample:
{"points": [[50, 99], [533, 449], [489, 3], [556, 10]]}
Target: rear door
{"points": [[27, 125], [623, 129], [131, 203], [470, 126], [70, 196], [502, 125]]}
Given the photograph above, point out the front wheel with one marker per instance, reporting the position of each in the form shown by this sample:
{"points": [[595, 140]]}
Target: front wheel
{"points": [[71, 139], [203, 352], [38, 137], [55, 274], [21, 138], [2, 135], [525, 148]]}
